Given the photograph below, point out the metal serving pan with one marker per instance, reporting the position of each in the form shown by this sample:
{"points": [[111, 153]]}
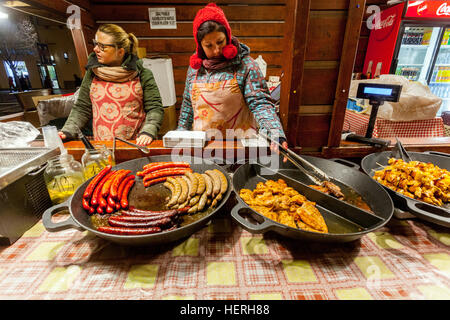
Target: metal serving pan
{"points": [[420, 209], [345, 221], [139, 197]]}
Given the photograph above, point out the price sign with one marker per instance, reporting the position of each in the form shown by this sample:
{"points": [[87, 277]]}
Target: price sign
{"points": [[162, 18]]}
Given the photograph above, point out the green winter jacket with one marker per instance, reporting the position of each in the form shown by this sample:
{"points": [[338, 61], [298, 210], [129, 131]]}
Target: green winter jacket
{"points": [[81, 112]]}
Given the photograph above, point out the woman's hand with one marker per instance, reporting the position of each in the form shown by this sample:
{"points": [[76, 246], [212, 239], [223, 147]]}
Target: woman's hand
{"points": [[62, 135], [144, 140], [274, 148]]}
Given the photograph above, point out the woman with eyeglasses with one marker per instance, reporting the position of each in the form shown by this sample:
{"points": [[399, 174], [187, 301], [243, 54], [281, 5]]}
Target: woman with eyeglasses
{"points": [[118, 93]]}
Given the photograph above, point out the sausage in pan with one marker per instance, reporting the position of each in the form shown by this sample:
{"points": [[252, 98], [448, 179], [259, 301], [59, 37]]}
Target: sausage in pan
{"points": [[188, 182], [107, 186], [124, 198], [156, 223], [98, 189], [184, 190], [208, 184], [165, 173], [149, 183], [91, 186], [193, 209], [194, 200], [152, 212], [114, 190], [201, 183], [128, 231], [176, 193], [202, 201], [163, 166], [215, 180], [194, 183], [223, 181]]}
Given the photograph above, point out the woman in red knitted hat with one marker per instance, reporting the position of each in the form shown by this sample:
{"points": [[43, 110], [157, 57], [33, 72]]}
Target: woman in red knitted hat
{"points": [[225, 92]]}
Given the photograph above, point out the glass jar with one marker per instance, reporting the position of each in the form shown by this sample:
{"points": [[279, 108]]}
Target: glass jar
{"points": [[63, 175], [95, 160]]}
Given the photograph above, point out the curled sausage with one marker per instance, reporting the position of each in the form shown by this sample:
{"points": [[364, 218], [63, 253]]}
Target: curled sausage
{"points": [[160, 166], [188, 182], [208, 184], [149, 183], [156, 223], [107, 186], [202, 201], [194, 183], [194, 200], [184, 190], [114, 190], [86, 205], [126, 190], [223, 181], [201, 183], [176, 193], [91, 186], [193, 209], [98, 189], [128, 231], [215, 180]]}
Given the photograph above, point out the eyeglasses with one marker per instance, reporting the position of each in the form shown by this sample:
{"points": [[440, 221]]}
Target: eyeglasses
{"points": [[102, 46]]}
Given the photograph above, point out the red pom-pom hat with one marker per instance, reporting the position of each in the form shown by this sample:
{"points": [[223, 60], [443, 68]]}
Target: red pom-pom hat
{"points": [[211, 12]]}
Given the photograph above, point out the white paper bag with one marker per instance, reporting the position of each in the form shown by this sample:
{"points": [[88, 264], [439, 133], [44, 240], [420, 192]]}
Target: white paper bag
{"points": [[416, 101]]}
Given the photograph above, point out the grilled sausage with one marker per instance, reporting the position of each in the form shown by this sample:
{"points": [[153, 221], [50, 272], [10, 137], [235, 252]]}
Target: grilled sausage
{"points": [[188, 182], [201, 183], [208, 184], [132, 219], [124, 198], [128, 231], [86, 205], [110, 209], [150, 212], [150, 216], [184, 190], [193, 209], [166, 173], [98, 189], [111, 202], [194, 200], [91, 186], [176, 193], [149, 183], [202, 201], [223, 181], [156, 223], [107, 186], [194, 183], [160, 166], [114, 190], [215, 180]]}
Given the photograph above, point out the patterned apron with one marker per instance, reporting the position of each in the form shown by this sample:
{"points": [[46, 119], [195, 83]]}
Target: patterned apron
{"points": [[221, 106], [117, 108]]}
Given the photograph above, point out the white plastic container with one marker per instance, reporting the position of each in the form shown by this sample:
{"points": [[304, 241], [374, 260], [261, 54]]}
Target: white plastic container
{"points": [[163, 72]]}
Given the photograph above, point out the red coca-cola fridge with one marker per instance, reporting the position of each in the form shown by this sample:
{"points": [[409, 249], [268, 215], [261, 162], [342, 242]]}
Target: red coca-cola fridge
{"points": [[412, 39]]}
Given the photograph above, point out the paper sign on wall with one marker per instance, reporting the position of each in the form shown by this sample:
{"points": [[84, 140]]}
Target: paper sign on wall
{"points": [[162, 18]]}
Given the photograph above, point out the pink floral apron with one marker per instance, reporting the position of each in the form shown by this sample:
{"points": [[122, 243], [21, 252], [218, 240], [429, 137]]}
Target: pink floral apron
{"points": [[118, 109], [221, 106]]}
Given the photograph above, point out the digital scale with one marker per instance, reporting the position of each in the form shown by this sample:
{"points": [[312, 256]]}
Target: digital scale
{"points": [[376, 94]]}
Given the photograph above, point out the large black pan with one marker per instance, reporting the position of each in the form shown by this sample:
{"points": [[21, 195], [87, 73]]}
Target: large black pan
{"points": [[345, 221], [420, 209], [80, 220]]}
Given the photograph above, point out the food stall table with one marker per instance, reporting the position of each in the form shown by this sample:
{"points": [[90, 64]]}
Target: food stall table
{"points": [[406, 259]]}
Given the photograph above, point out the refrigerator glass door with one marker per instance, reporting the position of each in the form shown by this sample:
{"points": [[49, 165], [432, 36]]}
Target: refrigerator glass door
{"points": [[440, 78], [416, 52]]}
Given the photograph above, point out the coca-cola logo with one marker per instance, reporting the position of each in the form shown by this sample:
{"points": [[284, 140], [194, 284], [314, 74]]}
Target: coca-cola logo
{"points": [[421, 8], [389, 21], [443, 10]]}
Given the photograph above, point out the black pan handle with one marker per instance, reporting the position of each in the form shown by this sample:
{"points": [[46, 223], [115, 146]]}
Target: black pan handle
{"points": [[263, 227], [347, 163], [62, 225], [429, 213], [437, 153]]}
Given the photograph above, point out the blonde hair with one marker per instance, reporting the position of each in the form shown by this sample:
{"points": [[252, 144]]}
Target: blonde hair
{"points": [[128, 41]]}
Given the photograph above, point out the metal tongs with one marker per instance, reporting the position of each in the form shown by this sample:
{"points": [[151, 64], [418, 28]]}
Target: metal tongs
{"points": [[142, 148], [400, 152], [315, 174]]}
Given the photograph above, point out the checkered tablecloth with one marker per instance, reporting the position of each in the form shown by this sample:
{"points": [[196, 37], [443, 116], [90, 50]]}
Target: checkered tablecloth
{"points": [[406, 259], [358, 122]]}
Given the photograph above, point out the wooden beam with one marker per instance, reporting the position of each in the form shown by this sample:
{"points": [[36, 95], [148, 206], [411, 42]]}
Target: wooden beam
{"points": [[356, 11], [295, 49]]}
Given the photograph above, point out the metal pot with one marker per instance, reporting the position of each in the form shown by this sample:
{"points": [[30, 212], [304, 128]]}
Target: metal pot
{"points": [[420, 209], [345, 221], [80, 220]]}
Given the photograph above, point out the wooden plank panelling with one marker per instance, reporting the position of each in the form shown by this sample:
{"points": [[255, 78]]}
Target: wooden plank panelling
{"points": [[313, 130], [187, 12]]}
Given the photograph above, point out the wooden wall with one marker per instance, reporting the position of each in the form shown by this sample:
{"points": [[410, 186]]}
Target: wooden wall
{"points": [[259, 23]]}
